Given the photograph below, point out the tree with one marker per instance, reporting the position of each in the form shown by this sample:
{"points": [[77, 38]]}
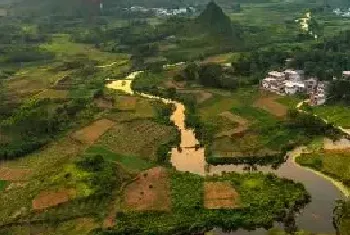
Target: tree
{"points": [[191, 72], [211, 75], [339, 92]]}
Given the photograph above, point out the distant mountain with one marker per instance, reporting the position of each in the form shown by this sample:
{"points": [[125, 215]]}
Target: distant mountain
{"points": [[215, 21]]}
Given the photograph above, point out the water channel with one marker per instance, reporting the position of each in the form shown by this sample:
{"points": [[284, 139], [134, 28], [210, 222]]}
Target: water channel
{"points": [[316, 217]]}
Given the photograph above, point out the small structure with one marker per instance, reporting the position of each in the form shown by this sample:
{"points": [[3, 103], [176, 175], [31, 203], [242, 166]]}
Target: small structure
{"points": [[311, 85], [346, 74], [319, 96], [3, 12]]}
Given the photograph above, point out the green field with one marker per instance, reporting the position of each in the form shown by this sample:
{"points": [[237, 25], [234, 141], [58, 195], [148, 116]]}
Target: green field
{"points": [[335, 164], [128, 162], [339, 115], [3, 185], [261, 195]]}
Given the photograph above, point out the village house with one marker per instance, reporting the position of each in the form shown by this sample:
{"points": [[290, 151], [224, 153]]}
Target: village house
{"points": [[346, 74], [291, 82], [295, 75], [274, 82], [293, 87], [318, 97], [3, 12], [311, 85]]}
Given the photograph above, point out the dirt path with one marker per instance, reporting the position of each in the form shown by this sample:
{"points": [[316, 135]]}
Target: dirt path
{"points": [[243, 125]]}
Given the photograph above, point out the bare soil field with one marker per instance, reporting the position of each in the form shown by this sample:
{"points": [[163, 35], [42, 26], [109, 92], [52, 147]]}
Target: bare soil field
{"points": [[92, 132], [220, 195], [14, 174], [149, 192], [271, 105], [48, 199], [126, 103], [243, 125], [175, 84], [104, 103]]}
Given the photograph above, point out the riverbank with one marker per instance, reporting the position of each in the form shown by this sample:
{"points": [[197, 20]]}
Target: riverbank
{"points": [[340, 186]]}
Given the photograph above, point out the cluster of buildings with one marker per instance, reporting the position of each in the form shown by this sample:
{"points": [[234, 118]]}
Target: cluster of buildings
{"points": [[343, 13], [291, 82], [3, 12], [164, 12]]}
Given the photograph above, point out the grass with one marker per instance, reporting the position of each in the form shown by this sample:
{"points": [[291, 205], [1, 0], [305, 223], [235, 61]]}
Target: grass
{"points": [[253, 114], [64, 48], [266, 134], [3, 185], [289, 101], [128, 162], [338, 114], [139, 138], [335, 164]]}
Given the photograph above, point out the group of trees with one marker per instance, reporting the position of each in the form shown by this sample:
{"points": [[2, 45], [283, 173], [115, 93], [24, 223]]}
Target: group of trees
{"points": [[339, 92], [208, 75], [310, 125], [35, 124]]}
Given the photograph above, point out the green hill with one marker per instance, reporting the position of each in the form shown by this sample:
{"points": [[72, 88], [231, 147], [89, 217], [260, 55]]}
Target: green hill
{"points": [[215, 21]]}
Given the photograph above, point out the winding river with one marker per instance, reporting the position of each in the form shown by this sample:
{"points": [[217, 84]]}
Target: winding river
{"points": [[316, 217]]}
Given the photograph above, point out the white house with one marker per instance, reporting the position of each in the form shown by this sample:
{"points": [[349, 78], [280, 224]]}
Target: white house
{"points": [[294, 75], [293, 87], [291, 82], [346, 74]]}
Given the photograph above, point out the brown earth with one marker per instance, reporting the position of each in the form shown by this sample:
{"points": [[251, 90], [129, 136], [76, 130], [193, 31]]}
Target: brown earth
{"points": [[93, 132], [220, 195], [149, 192], [175, 84], [126, 103], [243, 125], [271, 105], [104, 103], [217, 59], [48, 199], [12, 174]]}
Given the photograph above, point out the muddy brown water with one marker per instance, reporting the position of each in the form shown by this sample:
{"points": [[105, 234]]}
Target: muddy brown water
{"points": [[316, 217]]}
